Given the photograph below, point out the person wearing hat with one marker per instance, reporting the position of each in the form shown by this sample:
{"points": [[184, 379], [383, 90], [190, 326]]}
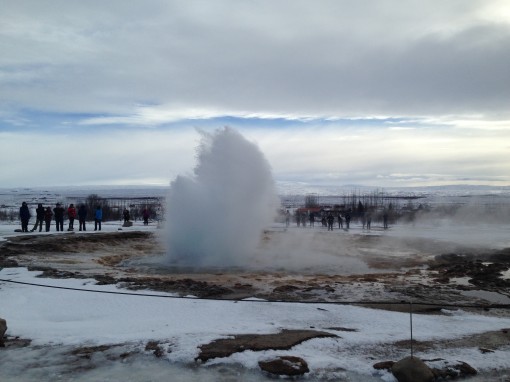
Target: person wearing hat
{"points": [[58, 213]]}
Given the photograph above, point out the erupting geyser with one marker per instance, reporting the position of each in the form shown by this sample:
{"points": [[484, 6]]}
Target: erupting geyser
{"points": [[216, 217]]}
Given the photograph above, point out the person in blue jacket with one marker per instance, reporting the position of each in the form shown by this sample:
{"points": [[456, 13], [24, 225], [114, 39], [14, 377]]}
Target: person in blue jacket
{"points": [[97, 218], [24, 215]]}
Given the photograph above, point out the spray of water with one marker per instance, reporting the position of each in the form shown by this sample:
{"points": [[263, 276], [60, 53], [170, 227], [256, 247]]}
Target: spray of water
{"points": [[216, 216]]}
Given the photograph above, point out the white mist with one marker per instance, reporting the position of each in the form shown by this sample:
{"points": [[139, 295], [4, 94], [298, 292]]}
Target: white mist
{"points": [[216, 216]]}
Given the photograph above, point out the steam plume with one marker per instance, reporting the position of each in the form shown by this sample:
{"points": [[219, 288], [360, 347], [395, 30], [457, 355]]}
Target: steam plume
{"points": [[216, 216]]}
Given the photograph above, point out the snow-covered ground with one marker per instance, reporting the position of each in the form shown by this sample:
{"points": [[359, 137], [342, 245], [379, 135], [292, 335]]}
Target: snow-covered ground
{"points": [[59, 320], [69, 317]]}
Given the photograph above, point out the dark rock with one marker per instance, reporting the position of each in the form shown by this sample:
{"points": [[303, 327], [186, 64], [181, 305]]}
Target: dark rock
{"points": [[341, 329], [16, 342], [385, 365], [48, 272], [459, 370], [105, 280], [285, 365], [198, 288], [444, 374], [465, 369], [88, 351], [412, 369], [7, 263], [285, 289], [3, 329]]}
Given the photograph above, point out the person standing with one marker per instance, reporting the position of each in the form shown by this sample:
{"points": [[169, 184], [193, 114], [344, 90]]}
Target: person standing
{"points": [[71, 214], [385, 219], [24, 216], [82, 216], [58, 212], [39, 217], [126, 216], [145, 215], [331, 220], [348, 219], [97, 218], [47, 218]]}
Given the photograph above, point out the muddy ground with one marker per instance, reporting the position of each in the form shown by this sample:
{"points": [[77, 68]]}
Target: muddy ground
{"points": [[467, 278]]}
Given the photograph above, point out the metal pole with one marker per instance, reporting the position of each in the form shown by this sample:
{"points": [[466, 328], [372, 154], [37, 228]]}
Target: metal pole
{"points": [[411, 319]]}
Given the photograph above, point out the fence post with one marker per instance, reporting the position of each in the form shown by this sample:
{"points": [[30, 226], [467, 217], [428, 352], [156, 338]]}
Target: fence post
{"points": [[411, 321]]}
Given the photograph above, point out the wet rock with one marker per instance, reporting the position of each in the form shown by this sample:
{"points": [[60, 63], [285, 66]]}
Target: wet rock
{"points": [[284, 340], [412, 369], [3, 329], [285, 365]]}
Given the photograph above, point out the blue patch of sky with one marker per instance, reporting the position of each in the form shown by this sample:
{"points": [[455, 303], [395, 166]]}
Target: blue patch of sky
{"points": [[33, 120]]}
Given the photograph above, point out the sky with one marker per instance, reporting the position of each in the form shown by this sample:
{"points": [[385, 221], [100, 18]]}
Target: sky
{"points": [[377, 93]]}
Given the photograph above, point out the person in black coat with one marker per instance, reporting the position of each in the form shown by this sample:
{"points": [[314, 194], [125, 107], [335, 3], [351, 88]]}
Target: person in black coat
{"points": [[82, 216], [58, 213], [24, 215], [39, 217], [47, 218]]}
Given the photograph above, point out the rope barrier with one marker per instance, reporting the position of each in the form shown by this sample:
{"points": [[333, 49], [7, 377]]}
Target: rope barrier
{"points": [[473, 306]]}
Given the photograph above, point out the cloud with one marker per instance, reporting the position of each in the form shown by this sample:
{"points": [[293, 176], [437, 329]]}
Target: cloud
{"points": [[341, 92], [337, 153], [260, 58]]}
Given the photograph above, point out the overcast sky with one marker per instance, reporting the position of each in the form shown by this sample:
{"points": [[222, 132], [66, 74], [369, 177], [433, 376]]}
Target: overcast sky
{"points": [[379, 93]]}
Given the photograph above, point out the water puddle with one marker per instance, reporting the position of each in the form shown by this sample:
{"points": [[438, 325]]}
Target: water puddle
{"points": [[493, 297], [460, 281]]}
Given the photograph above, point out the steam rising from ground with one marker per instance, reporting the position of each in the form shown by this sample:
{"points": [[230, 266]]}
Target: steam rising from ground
{"points": [[216, 217]]}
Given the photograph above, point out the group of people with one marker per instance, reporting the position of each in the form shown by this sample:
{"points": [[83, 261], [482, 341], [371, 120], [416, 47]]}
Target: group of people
{"points": [[328, 219], [46, 215]]}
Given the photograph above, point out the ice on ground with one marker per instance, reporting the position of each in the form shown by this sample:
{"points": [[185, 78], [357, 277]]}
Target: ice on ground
{"points": [[67, 317]]}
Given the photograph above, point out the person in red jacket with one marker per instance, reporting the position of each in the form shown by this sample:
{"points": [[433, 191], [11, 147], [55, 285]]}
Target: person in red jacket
{"points": [[71, 215]]}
